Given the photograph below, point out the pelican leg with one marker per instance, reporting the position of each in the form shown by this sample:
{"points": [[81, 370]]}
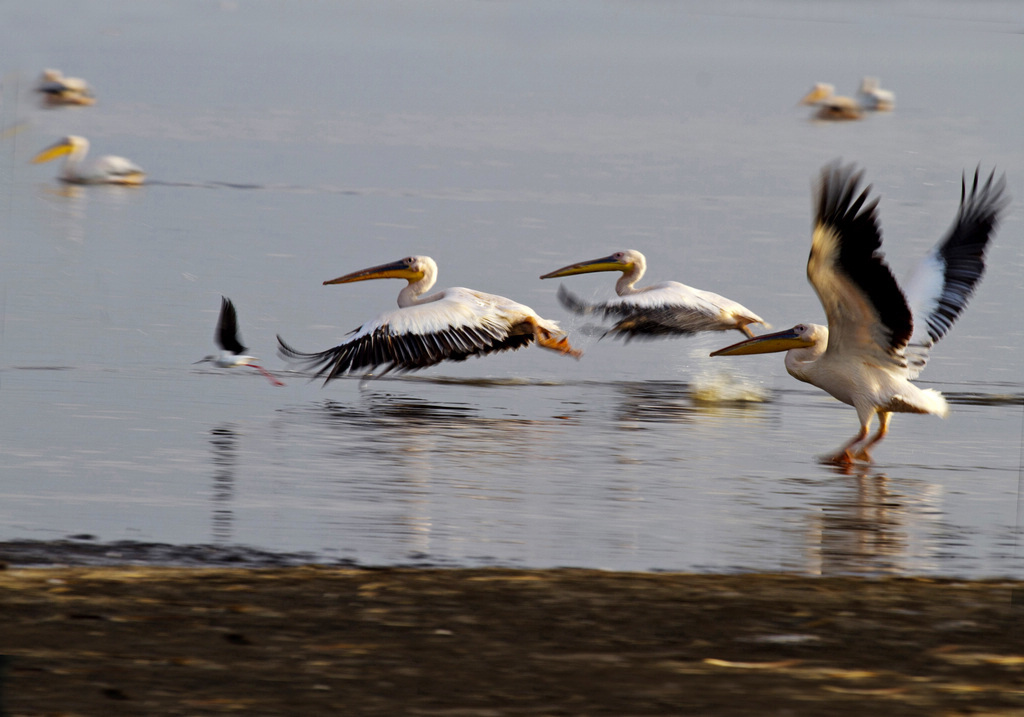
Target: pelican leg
{"points": [[844, 456], [546, 339], [883, 428]]}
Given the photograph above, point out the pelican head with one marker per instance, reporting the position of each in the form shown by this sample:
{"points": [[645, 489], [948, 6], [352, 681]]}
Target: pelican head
{"points": [[624, 261], [72, 144], [411, 268], [820, 91], [801, 336]]}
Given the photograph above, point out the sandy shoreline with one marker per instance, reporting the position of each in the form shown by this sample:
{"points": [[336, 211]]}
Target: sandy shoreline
{"points": [[313, 640]]}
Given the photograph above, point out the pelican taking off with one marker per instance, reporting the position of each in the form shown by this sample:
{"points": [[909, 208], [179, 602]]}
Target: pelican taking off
{"points": [[665, 309], [830, 105], [57, 89], [451, 325], [878, 336], [872, 97], [104, 170], [232, 352]]}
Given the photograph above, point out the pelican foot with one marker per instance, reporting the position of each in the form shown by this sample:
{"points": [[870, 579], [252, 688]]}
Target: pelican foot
{"points": [[844, 458], [561, 345]]}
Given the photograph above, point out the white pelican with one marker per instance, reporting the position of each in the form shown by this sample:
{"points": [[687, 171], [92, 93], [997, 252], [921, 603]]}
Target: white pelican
{"points": [[665, 309], [60, 90], [232, 352], [104, 170], [878, 337], [872, 97], [451, 325], [830, 105]]}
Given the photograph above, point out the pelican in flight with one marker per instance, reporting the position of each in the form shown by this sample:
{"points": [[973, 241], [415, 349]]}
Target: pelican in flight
{"points": [[664, 309], [57, 89], [872, 97], [104, 170], [830, 105], [451, 325], [232, 352], [879, 335]]}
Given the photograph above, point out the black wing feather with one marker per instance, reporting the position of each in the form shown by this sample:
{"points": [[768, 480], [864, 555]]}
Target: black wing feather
{"points": [[227, 328]]}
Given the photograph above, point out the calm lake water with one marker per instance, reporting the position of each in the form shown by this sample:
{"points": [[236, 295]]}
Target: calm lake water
{"points": [[290, 143]]}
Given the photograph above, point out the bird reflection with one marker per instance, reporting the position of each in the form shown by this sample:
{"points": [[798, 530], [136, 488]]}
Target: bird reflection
{"points": [[224, 441], [655, 401], [869, 529]]}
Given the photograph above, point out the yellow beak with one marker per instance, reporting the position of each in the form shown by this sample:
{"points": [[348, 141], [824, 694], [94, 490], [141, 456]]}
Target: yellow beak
{"points": [[52, 152], [766, 344], [392, 270], [605, 263]]}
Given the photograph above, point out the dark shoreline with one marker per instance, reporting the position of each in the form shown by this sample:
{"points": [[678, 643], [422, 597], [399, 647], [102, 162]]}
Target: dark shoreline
{"points": [[327, 640]]}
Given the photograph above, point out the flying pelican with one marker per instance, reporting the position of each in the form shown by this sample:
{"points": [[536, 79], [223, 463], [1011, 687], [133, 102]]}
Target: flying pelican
{"points": [[830, 105], [232, 352], [105, 170], [450, 325], [60, 90], [872, 97], [878, 336], [665, 309]]}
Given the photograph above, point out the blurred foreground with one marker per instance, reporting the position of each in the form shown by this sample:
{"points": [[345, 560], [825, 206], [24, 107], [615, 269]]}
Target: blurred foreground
{"points": [[169, 641]]}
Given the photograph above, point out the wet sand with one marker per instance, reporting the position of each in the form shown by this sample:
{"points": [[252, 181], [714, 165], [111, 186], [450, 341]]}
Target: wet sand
{"points": [[312, 640]]}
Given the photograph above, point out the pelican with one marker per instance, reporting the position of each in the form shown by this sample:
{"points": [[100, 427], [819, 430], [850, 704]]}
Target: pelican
{"points": [[60, 90], [665, 309], [872, 97], [878, 335], [830, 105], [232, 352], [105, 170], [451, 325]]}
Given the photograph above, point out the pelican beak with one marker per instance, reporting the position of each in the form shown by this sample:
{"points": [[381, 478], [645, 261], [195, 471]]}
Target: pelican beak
{"points": [[766, 344], [52, 152], [815, 95], [605, 263], [393, 270]]}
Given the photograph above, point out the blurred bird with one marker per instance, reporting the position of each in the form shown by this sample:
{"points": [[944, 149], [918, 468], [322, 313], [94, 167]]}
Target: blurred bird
{"points": [[873, 98], [57, 89], [104, 170], [830, 105], [665, 309], [232, 352]]}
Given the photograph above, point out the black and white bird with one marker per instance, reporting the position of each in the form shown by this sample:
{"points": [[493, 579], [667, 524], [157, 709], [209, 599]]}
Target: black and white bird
{"points": [[664, 309], [879, 336], [232, 351], [450, 325]]}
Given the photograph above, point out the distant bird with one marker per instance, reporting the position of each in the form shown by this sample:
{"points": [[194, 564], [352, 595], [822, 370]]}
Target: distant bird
{"points": [[665, 309], [57, 89], [879, 336], [232, 352], [104, 170], [872, 97], [451, 325], [830, 105]]}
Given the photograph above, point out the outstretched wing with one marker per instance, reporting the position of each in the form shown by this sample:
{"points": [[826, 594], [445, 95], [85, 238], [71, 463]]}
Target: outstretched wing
{"points": [[458, 324], [944, 281], [868, 315], [227, 328]]}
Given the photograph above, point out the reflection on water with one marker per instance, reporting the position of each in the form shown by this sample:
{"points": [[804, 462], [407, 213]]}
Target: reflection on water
{"points": [[872, 529], [224, 442]]}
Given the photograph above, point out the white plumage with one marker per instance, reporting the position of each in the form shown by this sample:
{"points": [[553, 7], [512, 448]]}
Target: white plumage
{"points": [[664, 309], [450, 325], [878, 337], [108, 169]]}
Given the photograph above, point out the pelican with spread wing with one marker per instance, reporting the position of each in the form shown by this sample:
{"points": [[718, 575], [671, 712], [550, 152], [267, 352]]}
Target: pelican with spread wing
{"points": [[450, 325], [879, 336], [664, 309]]}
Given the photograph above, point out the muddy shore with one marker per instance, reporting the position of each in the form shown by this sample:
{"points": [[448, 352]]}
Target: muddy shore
{"points": [[492, 642]]}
